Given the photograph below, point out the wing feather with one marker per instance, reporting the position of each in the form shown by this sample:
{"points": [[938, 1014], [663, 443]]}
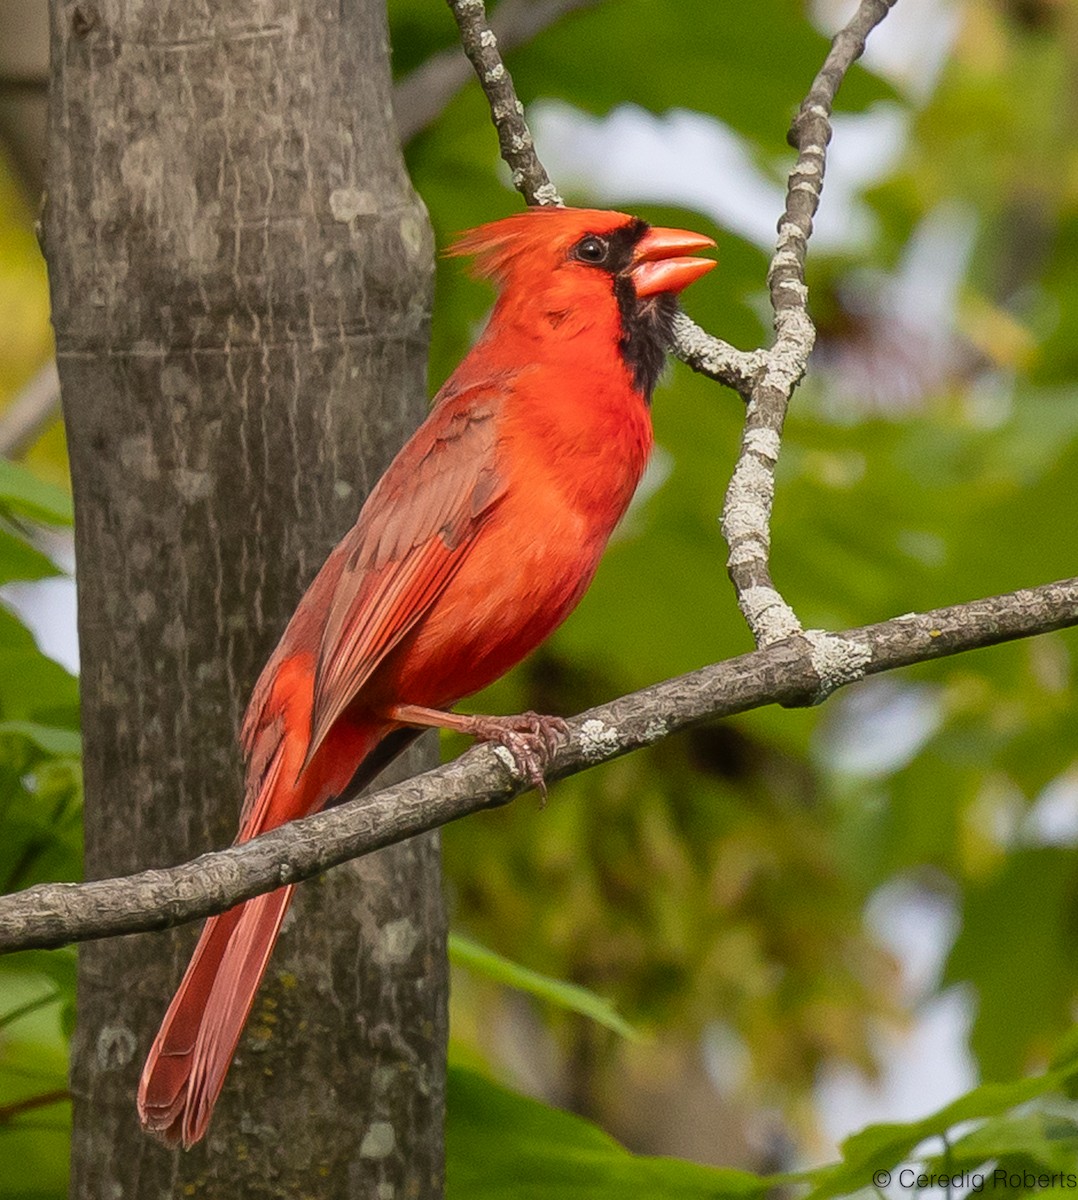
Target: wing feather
{"points": [[410, 540]]}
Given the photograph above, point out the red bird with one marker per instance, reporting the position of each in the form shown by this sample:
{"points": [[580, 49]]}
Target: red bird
{"points": [[477, 542]]}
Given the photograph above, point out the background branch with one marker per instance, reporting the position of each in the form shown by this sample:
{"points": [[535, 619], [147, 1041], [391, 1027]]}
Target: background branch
{"points": [[796, 671], [31, 412], [421, 96]]}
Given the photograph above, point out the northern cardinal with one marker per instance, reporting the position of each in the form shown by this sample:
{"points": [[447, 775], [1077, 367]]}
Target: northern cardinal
{"points": [[477, 542]]}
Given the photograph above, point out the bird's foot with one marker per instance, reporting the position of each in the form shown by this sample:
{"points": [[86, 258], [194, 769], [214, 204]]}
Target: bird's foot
{"points": [[531, 738]]}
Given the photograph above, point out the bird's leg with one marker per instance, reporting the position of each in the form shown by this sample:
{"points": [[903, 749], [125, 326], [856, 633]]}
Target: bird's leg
{"points": [[529, 737]]}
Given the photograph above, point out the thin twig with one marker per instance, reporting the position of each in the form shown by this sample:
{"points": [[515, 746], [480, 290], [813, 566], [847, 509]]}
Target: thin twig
{"points": [[421, 96], [718, 360], [746, 514], [8, 1112], [514, 138], [35, 408], [797, 671]]}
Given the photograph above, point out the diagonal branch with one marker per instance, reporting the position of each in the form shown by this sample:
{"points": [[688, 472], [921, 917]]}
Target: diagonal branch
{"points": [[765, 378], [796, 671], [31, 412], [506, 111], [8, 1112]]}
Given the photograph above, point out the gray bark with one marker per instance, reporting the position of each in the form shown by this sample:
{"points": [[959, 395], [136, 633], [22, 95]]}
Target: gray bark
{"points": [[241, 277]]}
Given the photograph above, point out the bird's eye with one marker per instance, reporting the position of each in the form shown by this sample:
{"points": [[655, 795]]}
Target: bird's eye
{"points": [[591, 249]]}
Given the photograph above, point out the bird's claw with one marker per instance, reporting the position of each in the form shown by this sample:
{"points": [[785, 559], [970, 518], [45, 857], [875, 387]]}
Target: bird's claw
{"points": [[531, 738]]}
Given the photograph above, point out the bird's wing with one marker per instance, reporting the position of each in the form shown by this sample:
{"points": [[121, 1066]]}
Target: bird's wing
{"points": [[411, 538]]}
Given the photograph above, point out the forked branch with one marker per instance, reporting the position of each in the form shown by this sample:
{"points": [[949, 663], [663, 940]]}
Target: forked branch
{"points": [[765, 378]]}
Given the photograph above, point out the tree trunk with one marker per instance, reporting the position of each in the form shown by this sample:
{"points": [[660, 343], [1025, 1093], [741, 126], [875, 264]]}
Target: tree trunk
{"points": [[241, 276]]}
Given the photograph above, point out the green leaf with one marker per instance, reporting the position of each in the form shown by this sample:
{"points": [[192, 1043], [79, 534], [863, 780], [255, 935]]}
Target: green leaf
{"points": [[20, 559], [1045, 1138], [1017, 925], [30, 1006], [466, 953], [880, 1147], [33, 687], [500, 1145], [59, 967], [66, 743], [22, 492]]}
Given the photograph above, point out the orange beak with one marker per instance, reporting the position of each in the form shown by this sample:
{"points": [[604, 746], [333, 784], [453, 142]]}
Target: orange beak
{"points": [[659, 266]]}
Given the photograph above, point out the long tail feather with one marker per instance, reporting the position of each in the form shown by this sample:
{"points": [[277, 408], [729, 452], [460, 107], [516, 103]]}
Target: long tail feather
{"points": [[191, 1054], [189, 1059]]}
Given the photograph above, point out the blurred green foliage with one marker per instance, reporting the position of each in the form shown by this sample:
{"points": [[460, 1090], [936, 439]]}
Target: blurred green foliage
{"points": [[25, 333], [40, 816], [552, 1154], [720, 880]]}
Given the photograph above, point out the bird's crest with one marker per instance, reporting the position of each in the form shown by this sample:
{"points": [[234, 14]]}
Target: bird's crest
{"points": [[538, 230]]}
